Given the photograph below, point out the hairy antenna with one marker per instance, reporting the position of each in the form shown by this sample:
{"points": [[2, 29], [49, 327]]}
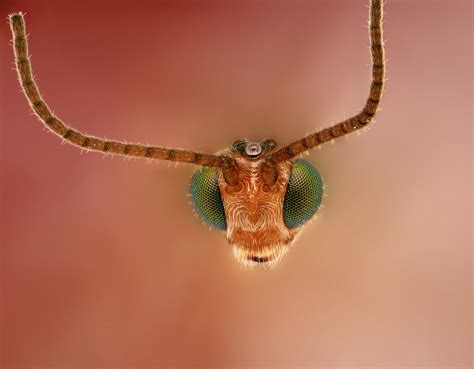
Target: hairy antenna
{"points": [[74, 137], [365, 116]]}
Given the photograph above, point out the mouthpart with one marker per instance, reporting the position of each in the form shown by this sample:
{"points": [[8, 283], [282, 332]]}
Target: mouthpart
{"points": [[266, 257]]}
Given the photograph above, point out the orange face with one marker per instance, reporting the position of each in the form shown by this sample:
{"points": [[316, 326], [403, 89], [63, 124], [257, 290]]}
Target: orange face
{"points": [[260, 217], [254, 212]]}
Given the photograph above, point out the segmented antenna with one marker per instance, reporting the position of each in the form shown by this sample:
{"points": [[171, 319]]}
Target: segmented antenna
{"points": [[92, 143], [365, 116]]}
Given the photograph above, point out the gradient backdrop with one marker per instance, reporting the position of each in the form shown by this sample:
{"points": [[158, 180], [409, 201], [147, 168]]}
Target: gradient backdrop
{"points": [[104, 264]]}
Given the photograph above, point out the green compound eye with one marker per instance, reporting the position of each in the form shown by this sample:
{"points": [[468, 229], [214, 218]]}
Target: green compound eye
{"points": [[303, 195], [206, 197]]}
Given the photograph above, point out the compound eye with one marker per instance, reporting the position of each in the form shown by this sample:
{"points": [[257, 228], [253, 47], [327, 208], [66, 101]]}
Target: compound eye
{"points": [[304, 194], [253, 149], [206, 197]]}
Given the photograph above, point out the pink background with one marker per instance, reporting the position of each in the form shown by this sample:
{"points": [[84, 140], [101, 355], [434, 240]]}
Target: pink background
{"points": [[104, 264]]}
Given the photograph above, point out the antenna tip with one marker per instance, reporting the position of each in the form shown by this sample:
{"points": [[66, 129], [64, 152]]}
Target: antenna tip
{"points": [[16, 16]]}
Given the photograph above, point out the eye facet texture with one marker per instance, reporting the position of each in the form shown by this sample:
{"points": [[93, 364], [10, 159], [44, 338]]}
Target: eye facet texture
{"points": [[303, 195], [206, 197]]}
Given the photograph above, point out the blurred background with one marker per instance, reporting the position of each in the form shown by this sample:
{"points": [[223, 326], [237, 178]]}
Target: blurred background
{"points": [[104, 264]]}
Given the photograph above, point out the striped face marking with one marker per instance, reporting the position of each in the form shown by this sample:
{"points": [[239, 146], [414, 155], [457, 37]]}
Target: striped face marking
{"points": [[260, 221]]}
